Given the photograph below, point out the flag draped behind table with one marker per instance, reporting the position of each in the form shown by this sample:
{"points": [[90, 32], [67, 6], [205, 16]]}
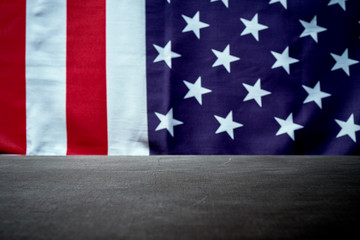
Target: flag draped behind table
{"points": [[125, 77]]}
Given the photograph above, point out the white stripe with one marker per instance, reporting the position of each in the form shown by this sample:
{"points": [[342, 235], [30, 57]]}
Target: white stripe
{"points": [[45, 77], [126, 77]]}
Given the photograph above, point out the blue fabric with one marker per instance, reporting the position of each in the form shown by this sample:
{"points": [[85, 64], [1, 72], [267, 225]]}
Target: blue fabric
{"points": [[260, 131]]}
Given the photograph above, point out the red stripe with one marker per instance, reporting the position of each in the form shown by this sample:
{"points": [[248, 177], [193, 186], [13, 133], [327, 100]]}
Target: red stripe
{"points": [[12, 76], [86, 77]]}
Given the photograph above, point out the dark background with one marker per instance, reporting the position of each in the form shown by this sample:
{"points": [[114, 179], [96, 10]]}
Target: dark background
{"points": [[173, 197]]}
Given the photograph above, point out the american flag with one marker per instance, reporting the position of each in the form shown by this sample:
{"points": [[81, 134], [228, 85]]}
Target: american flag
{"points": [[126, 77]]}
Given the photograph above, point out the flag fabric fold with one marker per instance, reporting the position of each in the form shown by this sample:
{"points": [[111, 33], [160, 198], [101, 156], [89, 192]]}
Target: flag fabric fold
{"points": [[147, 77]]}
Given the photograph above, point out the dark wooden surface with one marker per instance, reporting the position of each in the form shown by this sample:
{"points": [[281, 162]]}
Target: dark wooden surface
{"points": [[178, 197]]}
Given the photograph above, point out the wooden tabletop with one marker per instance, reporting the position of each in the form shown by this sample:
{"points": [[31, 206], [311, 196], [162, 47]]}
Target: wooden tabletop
{"points": [[180, 197]]}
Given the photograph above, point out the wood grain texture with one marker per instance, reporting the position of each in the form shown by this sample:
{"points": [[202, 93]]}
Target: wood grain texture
{"points": [[180, 197]]}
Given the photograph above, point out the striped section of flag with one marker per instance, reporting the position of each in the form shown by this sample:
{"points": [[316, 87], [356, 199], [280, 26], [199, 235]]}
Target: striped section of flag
{"points": [[73, 77], [46, 77], [12, 77], [86, 77], [126, 78]]}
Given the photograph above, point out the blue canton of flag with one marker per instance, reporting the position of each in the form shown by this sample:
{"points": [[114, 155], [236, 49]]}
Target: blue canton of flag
{"points": [[253, 77]]}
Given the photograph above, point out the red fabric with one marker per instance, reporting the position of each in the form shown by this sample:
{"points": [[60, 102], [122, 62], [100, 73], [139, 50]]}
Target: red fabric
{"points": [[86, 77], [12, 76]]}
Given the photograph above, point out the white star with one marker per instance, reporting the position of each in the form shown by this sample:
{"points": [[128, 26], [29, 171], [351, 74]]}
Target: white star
{"points": [[195, 90], [194, 24], [343, 62], [167, 122], [283, 60], [224, 58], [225, 2], [165, 54], [252, 27], [311, 29], [255, 92], [227, 124], [315, 94], [283, 2], [348, 128], [340, 2], [288, 126]]}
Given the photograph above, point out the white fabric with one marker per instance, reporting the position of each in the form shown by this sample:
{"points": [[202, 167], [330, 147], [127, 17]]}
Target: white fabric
{"points": [[46, 77], [126, 77]]}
